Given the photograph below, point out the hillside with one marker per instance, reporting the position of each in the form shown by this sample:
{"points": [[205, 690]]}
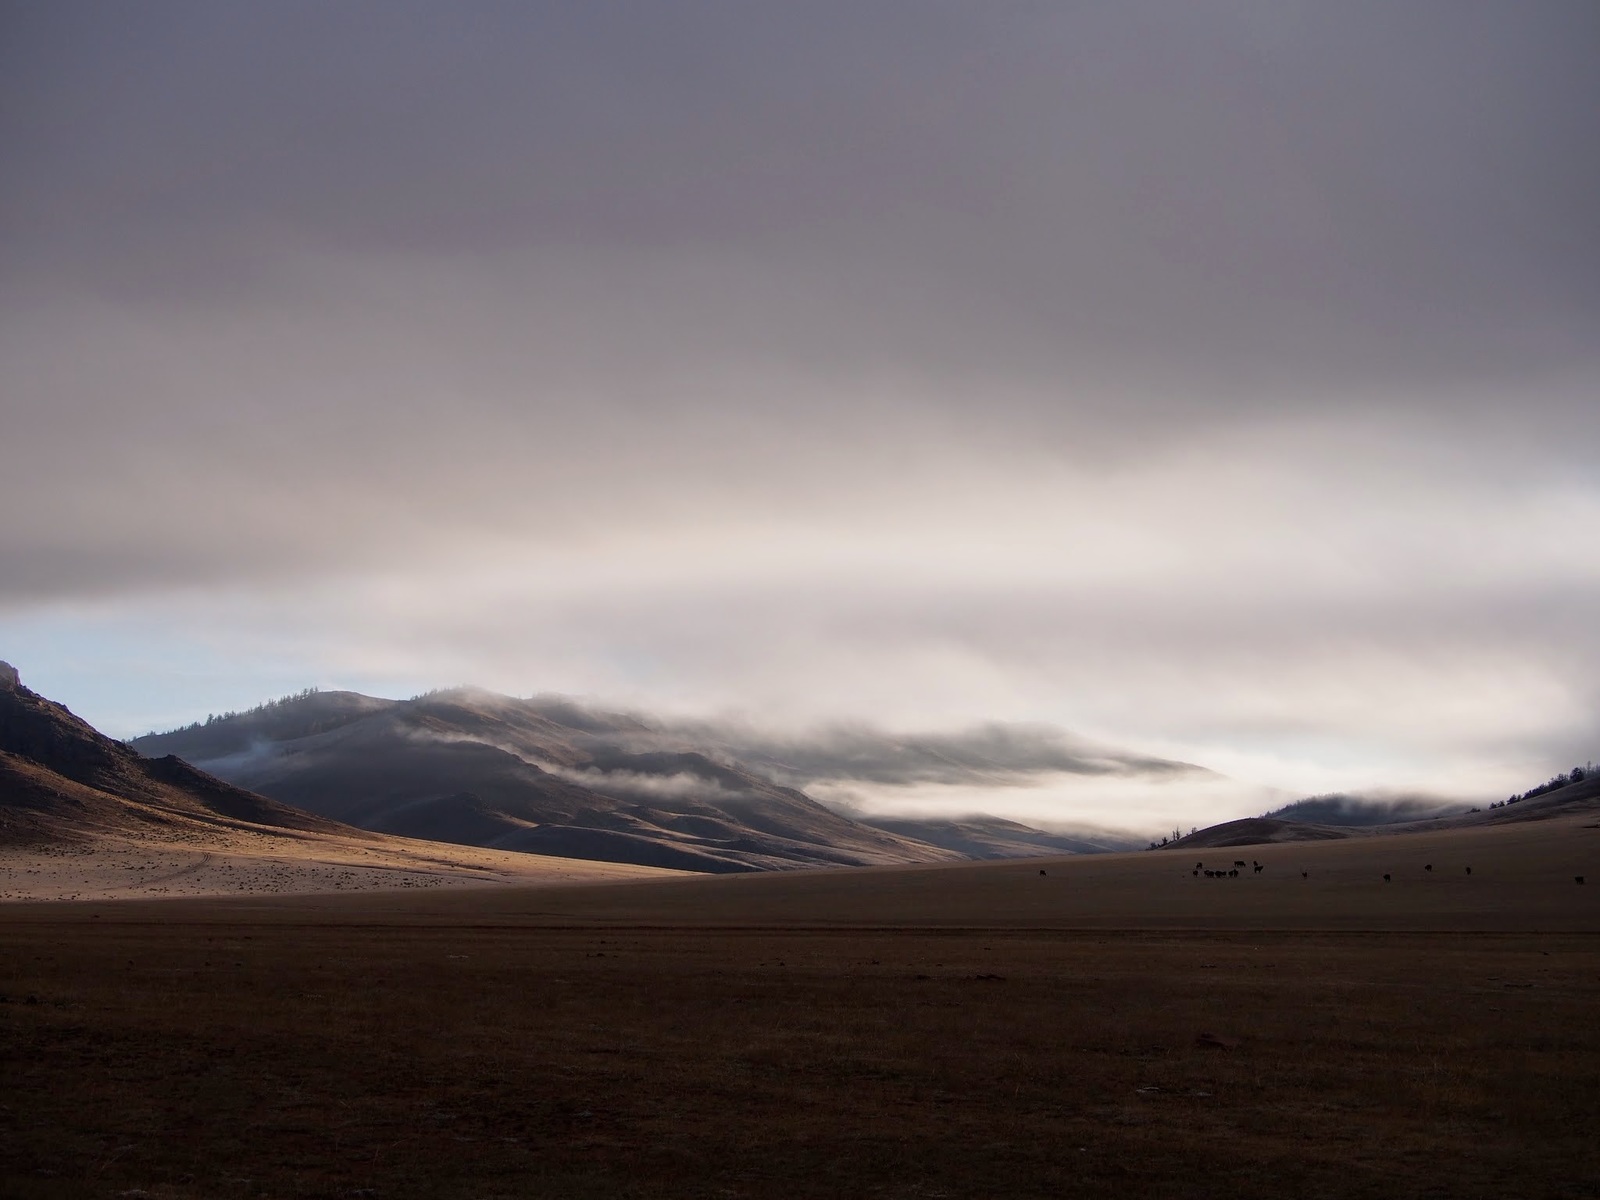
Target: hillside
{"points": [[1572, 799], [984, 837], [84, 817], [477, 768], [1254, 831], [61, 779], [1340, 809]]}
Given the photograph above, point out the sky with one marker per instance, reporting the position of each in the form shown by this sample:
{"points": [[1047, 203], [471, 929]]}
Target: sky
{"points": [[1213, 381]]}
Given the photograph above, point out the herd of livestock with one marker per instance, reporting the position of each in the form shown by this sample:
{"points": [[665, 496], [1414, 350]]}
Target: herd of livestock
{"points": [[1239, 864]]}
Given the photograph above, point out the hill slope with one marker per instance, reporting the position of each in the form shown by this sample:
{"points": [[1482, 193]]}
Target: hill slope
{"points": [[60, 778], [84, 817], [481, 769], [1573, 799], [984, 837]]}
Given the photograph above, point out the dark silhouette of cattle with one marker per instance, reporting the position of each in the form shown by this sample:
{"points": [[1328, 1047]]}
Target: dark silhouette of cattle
{"points": [[1199, 866], [1386, 877], [1238, 862], [1041, 870], [1577, 879], [1260, 868], [1233, 874], [1195, 873], [1469, 870], [1429, 867], [1305, 874]]}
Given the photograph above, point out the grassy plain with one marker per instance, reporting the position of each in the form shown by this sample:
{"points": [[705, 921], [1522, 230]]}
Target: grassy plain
{"points": [[1113, 1027], [194, 860]]}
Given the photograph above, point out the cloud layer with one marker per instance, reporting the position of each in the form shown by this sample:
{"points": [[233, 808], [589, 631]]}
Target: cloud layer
{"points": [[1216, 379]]}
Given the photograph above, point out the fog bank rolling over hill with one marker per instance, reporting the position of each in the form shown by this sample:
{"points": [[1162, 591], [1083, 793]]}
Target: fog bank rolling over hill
{"points": [[83, 817], [551, 775], [473, 767]]}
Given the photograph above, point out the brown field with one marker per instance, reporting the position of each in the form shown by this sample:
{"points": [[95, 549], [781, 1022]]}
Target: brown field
{"points": [[1113, 1027], [243, 861]]}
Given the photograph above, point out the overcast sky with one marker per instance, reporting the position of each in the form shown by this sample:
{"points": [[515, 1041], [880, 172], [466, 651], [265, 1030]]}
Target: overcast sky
{"points": [[1216, 381]]}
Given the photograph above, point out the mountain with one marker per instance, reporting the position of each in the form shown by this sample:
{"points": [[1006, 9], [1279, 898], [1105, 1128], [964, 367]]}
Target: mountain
{"points": [[477, 768], [1574, 796], [60, 779]]}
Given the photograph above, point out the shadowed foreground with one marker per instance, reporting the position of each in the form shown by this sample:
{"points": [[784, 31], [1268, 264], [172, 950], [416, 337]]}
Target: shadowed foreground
{"points": [[229, 1057], [1104, 1026]]}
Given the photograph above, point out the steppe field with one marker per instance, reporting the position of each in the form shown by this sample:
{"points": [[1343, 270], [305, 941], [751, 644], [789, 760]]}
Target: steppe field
{"points": [[1107, 1026]]}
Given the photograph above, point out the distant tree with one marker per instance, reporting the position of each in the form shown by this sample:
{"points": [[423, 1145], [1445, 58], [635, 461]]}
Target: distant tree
{"points": [[1556, 782]]}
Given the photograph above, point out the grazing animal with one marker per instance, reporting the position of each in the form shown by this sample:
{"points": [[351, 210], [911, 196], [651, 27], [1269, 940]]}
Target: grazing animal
{"points": [[1041, 870], [1429, 867], [1196, 874], [1577, 879], [1199, 866], [1259, 868], [1238, 862], [1233, 874], [1386, 877], [1469, 870], [1305, 874]]}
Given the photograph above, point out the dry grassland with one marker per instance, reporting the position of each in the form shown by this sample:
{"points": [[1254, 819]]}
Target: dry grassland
{"points": [[791, 1036], [241, 862]]}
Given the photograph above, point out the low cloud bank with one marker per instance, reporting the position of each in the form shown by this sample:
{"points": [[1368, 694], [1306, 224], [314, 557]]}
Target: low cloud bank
{"points": [[988, 755], [637, 785], [1341, 809], [1038, 774]]}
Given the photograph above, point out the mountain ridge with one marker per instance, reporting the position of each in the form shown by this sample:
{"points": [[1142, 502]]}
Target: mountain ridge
{"points": [[478, 768], [1579, 796], [60, 777]]}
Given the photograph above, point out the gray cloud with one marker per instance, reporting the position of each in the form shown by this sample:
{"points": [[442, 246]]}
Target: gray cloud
{"points": [[1217, 378], [1215, 194], [992, 755]]}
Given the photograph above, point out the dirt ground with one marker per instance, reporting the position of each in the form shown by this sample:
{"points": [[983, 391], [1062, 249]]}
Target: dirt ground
{"points": [[239, 862], [1112, 1027]]}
